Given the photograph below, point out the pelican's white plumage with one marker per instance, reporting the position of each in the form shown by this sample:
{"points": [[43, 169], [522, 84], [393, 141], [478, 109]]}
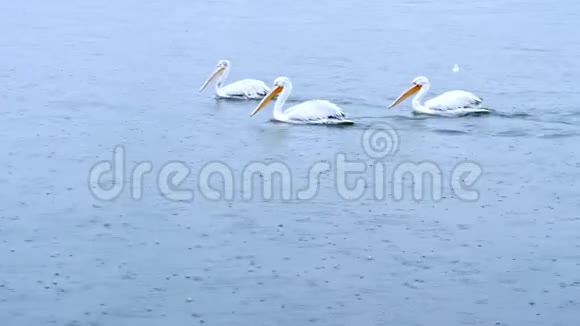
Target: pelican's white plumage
{"points": [[453, 103], [309, 112], [246, 89]]}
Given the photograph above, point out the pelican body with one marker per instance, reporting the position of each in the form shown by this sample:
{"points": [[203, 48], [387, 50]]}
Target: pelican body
{"points": [[246, 89], [453, 103], [309, 112]]}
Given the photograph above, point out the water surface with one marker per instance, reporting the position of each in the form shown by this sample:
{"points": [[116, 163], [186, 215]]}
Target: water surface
{"points": [[79, 79]]}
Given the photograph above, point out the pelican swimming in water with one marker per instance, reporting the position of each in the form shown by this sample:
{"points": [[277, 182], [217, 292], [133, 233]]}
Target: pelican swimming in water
{"points": [[310, 112], [453, 103], [246, 89]]}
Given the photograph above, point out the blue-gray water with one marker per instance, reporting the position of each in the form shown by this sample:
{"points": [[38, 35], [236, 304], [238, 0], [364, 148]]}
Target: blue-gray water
{"points": [[79, 78]]}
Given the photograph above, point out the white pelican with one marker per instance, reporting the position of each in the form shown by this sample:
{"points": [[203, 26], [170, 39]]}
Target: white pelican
{"points": [[247, 89], [310, 112], [453, 103]]}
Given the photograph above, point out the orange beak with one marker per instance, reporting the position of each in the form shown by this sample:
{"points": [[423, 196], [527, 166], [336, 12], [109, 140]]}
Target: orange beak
{"points": [[216, 73], [412, 90], [267, 99]]}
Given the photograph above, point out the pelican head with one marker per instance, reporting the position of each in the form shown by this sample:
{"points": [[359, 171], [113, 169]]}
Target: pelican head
{"points": [[416, 86], [279, 84], [221, 67]]}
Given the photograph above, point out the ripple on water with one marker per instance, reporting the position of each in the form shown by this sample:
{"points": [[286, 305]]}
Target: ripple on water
{"points": [[511, 133], [557, 135], [451, 131], [515, 115]]}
